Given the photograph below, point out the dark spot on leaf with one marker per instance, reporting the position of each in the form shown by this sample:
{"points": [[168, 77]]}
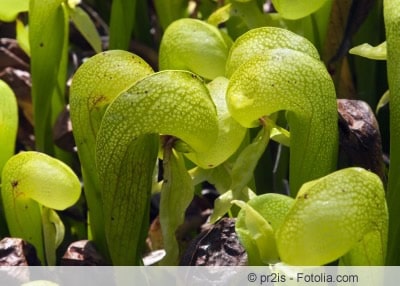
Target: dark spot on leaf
{"points": [[305, 196], [112, 218], [343, 191], [98, 99], [14, 183], [26, 207], [210, 165], [41, 45]]}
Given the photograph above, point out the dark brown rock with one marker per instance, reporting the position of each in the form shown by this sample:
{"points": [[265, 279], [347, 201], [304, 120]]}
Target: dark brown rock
{"points": [[360, 138], [217, 246], [82, 253], [17, 252]]}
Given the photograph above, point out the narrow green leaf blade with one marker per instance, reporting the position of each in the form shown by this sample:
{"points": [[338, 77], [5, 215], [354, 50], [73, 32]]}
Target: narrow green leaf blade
{"points": [[53, 233], [170, 10], [221, 15], [123, 15], [46, 37], [23, 37], [392, 23], [176, 194], [383, 101], [85, 25], [243, 168], [8, 123]]}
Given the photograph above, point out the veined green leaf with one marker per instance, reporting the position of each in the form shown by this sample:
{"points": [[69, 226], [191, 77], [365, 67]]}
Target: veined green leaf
{"points": [[331, 215], [257, 41], [157, 104], [96, 83], [31, 179], [370, 251], [282, 78]]}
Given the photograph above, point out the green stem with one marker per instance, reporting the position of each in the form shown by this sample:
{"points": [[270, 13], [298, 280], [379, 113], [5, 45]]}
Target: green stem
{"points": [[176, 195], [392, 25]]}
